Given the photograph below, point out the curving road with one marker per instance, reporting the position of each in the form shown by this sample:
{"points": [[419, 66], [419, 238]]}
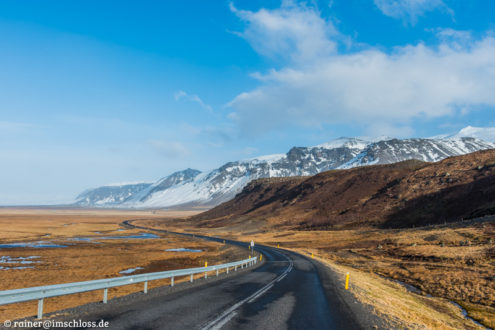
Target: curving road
{"points": [[287, 291]]}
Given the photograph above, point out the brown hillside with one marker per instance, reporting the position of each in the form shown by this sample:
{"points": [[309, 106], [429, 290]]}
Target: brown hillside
{"points": [[405, 194]]}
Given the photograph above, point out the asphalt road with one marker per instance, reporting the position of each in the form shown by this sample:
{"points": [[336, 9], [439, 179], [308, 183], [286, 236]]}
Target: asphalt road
{"points": [[287, 291]]}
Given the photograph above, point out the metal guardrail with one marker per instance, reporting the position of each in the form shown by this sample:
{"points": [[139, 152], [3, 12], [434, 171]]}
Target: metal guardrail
{"points": [[41, 292]]}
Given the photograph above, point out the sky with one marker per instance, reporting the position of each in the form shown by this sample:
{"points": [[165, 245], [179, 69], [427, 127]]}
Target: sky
{"points": [[95, 92]]}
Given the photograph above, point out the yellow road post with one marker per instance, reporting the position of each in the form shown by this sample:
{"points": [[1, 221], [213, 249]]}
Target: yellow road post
{"points": [[347, 281]]}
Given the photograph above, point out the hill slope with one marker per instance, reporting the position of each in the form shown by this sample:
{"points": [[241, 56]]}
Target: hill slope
{"points": [[405, 194]]}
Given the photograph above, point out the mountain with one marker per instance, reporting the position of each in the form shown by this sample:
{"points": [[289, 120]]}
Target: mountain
{"points": [[192, 188], [116, 195], [406, 194], [110, 195]]}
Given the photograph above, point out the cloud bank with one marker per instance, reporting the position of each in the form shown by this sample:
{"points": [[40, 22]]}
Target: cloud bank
{"points": [[318, 85]]}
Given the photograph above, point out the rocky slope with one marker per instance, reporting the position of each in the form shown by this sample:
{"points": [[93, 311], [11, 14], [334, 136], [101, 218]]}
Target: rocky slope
{"points": [[190, 187], [405, 194]]}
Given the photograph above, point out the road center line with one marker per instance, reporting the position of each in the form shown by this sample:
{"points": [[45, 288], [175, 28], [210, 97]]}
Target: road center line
{"points": [[259, 294], [227, 315]]}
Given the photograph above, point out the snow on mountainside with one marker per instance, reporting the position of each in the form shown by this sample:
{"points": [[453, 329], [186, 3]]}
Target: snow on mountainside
{"points": [[190, 187], [110, 195]]}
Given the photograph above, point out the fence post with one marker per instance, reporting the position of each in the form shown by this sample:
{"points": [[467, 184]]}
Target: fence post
{"points": [[40, 308], [217, 272], [146, 287], [191, 278], [105, 295]]}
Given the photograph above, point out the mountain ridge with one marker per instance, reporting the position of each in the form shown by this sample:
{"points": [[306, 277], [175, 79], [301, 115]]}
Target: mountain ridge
{"points": [[195, 188], [405, 194]]}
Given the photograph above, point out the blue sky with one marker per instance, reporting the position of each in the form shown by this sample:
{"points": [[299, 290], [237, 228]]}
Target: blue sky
{"points": [[96, 92]]}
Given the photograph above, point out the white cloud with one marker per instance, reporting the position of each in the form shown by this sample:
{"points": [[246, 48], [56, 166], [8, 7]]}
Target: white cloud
{"points": [[410, 10], [455, 38], [294, 32], [370, 87], [194, 98]]}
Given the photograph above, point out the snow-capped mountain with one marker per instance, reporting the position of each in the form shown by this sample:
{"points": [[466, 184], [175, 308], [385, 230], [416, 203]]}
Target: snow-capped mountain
{"points": [[110, 195], [190, 187]]}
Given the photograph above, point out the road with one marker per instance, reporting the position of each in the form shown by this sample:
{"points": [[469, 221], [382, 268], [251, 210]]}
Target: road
{"points": [[288, 291]]}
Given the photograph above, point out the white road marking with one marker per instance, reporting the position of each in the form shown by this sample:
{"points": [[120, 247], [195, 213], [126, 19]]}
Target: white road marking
{"points": [[224, 321], [259, 294], [227, 315]]}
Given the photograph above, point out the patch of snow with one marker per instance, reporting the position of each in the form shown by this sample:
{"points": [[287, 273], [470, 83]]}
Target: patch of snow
{"points": [[353, 143], [130, 270]]}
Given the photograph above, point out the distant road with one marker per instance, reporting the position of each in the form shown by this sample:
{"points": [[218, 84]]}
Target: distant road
{"points": [[288, 291]]}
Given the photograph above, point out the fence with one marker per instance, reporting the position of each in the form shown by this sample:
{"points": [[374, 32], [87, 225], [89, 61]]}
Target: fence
{"points": [[41, 292]]}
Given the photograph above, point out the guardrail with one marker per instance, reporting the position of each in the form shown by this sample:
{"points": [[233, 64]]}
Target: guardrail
{"points": [[41, 292]]}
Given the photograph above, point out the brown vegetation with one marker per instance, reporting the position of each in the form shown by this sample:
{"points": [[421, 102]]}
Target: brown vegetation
{"points": [[405, 194], [87, 260]]}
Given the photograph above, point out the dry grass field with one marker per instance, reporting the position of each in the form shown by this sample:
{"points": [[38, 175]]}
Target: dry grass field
{"points": [[89, 253], [450, 262]]}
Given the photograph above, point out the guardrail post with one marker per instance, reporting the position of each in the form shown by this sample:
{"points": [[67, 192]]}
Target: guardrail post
{"points": [[227, 270], [206, 275], [217, 272], [146, 287], [191, 278], [172, 281], [235, 268], [105, 295], [40, 308]]}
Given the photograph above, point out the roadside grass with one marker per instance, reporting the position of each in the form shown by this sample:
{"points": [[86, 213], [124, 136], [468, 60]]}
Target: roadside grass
{"points": [[403, 309], [455, 262]]}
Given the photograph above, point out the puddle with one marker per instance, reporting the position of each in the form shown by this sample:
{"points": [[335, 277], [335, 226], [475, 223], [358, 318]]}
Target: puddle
{"points": [[409, 287], [18, 260], [84, 239], [35, 245], [130, 270], [412, 288], [138, 236], [465, 313], [183, 250], [18, 267]]}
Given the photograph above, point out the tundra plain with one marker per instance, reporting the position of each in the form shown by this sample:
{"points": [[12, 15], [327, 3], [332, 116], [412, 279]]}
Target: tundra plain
{"points": [[91, 252]]}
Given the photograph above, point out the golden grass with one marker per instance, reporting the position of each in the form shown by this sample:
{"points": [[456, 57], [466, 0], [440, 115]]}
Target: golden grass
{"points": [[403, 309], [81, 261]]}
